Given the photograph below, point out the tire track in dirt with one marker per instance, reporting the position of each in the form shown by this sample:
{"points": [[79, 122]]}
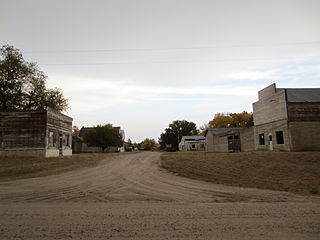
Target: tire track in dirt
{"points": [[135, 177]]}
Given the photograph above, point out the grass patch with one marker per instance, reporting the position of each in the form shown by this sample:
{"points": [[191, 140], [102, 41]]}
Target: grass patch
{"points": [[297, 172], [12, 168]]}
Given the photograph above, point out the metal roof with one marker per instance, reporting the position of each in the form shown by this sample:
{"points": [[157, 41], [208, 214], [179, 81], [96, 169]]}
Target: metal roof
{"points": [[302, 94], [193, 138]]}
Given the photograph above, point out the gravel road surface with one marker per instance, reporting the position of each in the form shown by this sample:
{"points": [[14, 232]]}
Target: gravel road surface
{"points": [[131, 197]]}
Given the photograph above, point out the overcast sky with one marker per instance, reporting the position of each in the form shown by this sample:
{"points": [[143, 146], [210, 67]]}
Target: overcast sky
{"points": [[140, 64]]}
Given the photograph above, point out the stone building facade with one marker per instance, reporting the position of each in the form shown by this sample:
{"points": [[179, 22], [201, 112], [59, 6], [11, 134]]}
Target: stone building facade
{"points": [[35, 133], [287, 119]]}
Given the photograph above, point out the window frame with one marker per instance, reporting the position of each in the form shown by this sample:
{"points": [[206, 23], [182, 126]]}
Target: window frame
{"points": [[51, 139]]}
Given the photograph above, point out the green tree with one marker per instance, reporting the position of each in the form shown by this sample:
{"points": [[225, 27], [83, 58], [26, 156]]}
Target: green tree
{"points": [[23, 85], [168, 137], [228, 120], [103, 136], [174, 133], [148, 144]]}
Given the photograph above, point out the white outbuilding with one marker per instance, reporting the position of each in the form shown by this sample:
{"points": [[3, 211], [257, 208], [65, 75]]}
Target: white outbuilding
{"points": [[192, 143]]}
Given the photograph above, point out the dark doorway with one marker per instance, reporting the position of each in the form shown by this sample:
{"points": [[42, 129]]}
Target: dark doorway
{"points": [[234, 143], [60, 144]]}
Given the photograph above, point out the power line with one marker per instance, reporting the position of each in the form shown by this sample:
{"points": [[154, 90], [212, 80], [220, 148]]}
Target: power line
{"points": [[168, 49], [177, 61]]}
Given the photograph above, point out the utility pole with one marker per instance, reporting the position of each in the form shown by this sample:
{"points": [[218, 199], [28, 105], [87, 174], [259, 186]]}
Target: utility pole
{"points": [[178, 138]]}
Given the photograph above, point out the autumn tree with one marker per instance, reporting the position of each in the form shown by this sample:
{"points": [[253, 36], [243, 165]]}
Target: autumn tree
{"points": [[243, 119], [23, 85], [174, 133], [103, 136], [228, 120], [75, 130], [148, 144]]}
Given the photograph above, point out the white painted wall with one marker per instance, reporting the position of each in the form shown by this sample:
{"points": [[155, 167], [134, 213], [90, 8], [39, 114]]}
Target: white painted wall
{"points": [[52, 152], [67, 152]]}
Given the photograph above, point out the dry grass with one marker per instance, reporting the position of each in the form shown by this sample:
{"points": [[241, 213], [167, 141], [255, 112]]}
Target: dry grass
{"points": [[286, 171], [12, 168]]}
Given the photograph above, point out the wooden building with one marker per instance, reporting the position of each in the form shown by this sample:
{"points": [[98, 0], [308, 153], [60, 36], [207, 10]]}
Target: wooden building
{"points": [[36, 133]]}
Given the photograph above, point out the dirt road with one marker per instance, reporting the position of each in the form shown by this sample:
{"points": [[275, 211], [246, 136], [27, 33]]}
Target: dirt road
{"points": [[130, 197]]}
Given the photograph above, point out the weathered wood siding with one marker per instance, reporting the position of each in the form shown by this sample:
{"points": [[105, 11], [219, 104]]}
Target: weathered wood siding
{"points": [[306, 112], [59, 122], [27, 132], [22, 130]]}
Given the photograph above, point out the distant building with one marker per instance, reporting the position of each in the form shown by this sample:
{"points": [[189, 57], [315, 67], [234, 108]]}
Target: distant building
{"points": [[229, 139], [79, 146], [192, 143], [287, 119], [35, 133]]}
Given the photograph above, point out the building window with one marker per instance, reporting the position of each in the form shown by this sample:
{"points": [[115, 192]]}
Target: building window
{"points": [[68, 140], [280, 139], [202, 146], [261, 139], [50, 139], [193, 146]]}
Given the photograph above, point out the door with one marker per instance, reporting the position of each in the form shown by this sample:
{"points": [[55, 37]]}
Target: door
{"points": [[270, 142], [234, 143], [60, 144]]}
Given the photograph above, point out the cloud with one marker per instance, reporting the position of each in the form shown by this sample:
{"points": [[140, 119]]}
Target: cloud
{"points": [[255, 75], [294, 72], [93, 94]]}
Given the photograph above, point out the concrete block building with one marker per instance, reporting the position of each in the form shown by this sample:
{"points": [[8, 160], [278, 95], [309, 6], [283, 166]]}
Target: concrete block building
{"points": [[35, 133], [229, 139], [287, 119]]}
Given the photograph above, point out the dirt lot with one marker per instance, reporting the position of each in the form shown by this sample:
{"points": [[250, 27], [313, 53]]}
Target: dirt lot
{"points": [[131, 197], [285, 171], [12, 168]]}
